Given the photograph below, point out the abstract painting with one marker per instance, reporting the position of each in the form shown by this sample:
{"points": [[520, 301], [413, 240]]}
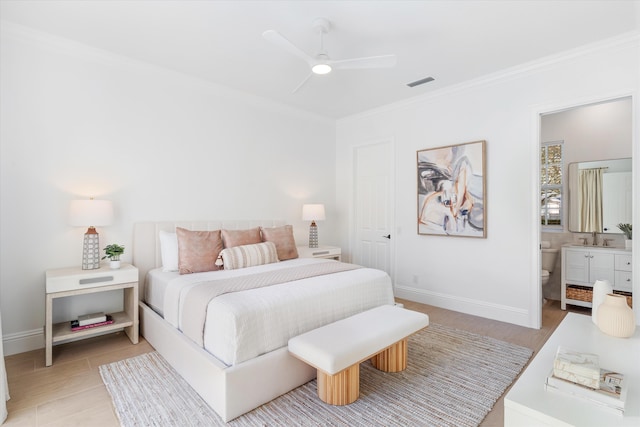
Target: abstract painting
{"points": [[451, 190]]}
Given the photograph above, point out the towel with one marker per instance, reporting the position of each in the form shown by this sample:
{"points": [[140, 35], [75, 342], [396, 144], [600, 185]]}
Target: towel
{"points": [[545, 245]]}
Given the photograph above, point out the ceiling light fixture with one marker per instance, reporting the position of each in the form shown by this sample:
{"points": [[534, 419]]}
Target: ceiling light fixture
{"points": [[321, 69]]}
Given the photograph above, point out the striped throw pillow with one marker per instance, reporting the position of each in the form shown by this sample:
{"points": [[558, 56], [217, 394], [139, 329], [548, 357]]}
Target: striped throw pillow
{"points": [[249, 255]]}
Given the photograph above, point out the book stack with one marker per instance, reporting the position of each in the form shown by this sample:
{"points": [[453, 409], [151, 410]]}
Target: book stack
{"points": [[91, 321], [573, 374]]}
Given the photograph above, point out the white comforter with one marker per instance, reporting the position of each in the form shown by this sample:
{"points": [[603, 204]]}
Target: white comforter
{"points": [[243, 325]]}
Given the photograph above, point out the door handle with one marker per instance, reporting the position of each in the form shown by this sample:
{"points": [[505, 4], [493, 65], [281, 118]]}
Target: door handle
{"points": [[388, 236]]}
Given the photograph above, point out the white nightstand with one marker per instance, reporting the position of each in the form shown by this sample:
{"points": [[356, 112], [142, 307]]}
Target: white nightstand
{"points": [[67, 282], [331, 252]]}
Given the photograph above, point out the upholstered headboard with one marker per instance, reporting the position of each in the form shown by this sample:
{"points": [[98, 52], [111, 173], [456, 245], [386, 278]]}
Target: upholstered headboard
{"points": [[146, 239]]}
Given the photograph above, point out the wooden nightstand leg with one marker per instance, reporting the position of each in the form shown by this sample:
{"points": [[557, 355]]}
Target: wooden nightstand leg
{"points": [[131, 308], [48, 331]]}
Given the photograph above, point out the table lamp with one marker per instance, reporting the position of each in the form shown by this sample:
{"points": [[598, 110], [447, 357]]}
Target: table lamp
{"points": [[90, 213], [313, 213]]}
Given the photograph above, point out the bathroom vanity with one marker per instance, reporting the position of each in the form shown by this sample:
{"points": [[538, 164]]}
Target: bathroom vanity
{"points": [[583, 265]]}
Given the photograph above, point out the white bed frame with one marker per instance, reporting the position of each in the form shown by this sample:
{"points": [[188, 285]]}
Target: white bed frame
{"points": [[230, 391]]}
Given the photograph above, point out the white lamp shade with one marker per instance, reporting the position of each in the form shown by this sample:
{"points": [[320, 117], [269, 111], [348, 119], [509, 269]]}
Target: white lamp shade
{"points": [[90, 213], [314, 212]]}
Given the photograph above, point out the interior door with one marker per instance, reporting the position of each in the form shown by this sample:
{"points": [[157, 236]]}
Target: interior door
{"points": [[373, 206]]}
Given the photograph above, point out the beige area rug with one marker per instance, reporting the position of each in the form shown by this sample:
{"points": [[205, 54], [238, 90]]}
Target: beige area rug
{"points": [[453, 378]]}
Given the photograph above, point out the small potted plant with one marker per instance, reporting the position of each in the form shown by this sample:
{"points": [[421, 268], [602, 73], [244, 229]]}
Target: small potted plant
{"points": [[113, 252], [626, 229]]}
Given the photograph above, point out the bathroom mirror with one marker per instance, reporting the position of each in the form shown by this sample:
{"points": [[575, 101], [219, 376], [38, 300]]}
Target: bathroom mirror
{"points": [[600, 195]]}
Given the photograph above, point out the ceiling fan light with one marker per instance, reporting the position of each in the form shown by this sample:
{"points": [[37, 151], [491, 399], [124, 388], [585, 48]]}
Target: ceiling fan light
{"points": [[321, 69]]}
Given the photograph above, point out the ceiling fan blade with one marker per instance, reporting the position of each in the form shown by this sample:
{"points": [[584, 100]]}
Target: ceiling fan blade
{"points": [[383, 61], [279, 40], [306, 79]]}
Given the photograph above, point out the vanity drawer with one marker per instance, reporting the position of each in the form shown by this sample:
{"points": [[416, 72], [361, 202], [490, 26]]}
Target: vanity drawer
{"points": [[623, 281], [623, 262]]}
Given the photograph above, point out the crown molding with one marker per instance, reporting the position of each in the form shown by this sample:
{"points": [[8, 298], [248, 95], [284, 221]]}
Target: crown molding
{"points": [[624, 40]]}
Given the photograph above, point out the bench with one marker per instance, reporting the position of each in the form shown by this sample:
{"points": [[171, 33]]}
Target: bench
{"points": [[336, 350]]}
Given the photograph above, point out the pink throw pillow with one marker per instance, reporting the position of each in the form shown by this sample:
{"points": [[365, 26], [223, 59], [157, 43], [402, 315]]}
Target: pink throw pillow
{"points": [[198, 250], [282, 237], [233, 238]]}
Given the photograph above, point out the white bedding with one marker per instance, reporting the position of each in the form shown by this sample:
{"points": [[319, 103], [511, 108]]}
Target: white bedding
{"points": [[156, 286], [246, 324]]}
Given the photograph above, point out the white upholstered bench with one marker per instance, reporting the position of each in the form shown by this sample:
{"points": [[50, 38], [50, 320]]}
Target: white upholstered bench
{"points": [[336, 350]]}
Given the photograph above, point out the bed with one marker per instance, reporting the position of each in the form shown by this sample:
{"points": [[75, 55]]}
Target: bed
{"points": [[242, 360]]}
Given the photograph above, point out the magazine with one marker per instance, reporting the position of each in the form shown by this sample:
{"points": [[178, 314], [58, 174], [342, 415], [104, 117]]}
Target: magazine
{"points": [[75, 325]]}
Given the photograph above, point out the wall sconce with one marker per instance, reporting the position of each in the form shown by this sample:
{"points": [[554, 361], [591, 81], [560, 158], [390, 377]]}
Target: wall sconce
{"points": [[90, 213], [313, 213]]}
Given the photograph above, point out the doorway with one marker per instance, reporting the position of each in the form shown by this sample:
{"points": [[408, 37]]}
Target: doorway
{"points": [[592, 132], [373, 206]]}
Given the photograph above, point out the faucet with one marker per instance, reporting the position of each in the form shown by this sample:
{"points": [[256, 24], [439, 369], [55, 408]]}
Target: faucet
{"points": [[594, 235]]}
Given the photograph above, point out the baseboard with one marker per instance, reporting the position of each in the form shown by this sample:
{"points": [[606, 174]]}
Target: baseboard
{"points": [[21, 342], [498, 312]]}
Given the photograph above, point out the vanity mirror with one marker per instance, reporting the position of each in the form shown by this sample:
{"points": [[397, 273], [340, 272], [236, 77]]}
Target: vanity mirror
{"points": [[600, 195]]}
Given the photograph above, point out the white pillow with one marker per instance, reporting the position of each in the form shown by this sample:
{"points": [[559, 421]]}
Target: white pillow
{"points": [[249, 255], [169, 250]]}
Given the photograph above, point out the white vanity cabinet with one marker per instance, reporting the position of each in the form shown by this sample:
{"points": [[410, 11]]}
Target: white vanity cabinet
{"points": [[623, 272], [583, 265]]}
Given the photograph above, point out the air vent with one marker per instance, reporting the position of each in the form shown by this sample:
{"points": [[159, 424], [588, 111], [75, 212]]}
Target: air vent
{"points": [[421, 82]]}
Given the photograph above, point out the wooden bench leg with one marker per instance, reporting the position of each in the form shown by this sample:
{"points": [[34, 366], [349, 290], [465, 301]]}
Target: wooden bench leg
{"points": [[392, 359], [342, 388]]}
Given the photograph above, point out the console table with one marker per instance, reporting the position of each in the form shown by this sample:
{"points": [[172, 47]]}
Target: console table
{"points": [[528, 403]]}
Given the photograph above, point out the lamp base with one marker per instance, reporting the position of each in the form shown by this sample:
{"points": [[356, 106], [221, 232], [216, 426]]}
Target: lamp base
{"points": [[313, 235], [91, 250]]}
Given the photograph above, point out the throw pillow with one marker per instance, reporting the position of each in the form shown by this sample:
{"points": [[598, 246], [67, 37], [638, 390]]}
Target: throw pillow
{"points": [[282, 237], [198, 250], [249, 255], [233, 238]]}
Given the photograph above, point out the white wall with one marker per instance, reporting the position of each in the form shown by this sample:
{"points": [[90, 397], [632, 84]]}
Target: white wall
{"points": [[494, 277], [592, 132], [78, 122]]}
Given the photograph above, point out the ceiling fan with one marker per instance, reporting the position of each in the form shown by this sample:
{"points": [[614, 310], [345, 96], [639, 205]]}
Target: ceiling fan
{"points": [[322, 63]]}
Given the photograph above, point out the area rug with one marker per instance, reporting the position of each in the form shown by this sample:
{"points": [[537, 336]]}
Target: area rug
{"points": [[453, 378]]}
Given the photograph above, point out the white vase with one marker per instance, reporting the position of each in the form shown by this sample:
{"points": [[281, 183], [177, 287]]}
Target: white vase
{"points": [[615, 317], [600, 289], [627, 243], [114, 265]]}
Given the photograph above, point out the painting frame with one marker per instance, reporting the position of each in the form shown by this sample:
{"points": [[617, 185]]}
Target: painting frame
{"points": [[451, 190]]}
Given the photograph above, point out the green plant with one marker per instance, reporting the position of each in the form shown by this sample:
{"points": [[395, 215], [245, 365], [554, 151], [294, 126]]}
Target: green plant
{"points": [[113, 252], [626, 229]]}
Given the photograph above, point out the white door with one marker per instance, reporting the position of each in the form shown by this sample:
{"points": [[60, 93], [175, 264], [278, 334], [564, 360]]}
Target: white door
{"points": [[373, 206]]}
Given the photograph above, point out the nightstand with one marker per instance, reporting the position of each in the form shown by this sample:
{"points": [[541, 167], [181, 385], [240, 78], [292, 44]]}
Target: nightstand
{"points": [[68, 282], [331, 252]]}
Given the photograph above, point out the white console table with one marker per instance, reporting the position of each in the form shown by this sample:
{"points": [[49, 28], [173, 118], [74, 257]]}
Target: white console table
{"points": [[529, 404]]}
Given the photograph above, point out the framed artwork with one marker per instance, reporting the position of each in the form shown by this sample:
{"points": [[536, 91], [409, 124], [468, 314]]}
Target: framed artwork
{"points": [[451, 190]]}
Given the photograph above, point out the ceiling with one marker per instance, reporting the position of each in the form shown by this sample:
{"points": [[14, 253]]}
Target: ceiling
{"points": [[221, 41]]}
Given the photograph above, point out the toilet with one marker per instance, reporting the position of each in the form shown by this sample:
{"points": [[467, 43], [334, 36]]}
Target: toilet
{"points": [[548, 261]]}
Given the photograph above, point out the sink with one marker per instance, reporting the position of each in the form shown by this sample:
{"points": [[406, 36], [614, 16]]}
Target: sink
{"points": [[580, 245]]}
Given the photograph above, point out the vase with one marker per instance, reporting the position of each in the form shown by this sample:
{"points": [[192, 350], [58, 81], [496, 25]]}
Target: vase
{"points": [[114, 264], [615, 317], [627, 243], [600, 290]]}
